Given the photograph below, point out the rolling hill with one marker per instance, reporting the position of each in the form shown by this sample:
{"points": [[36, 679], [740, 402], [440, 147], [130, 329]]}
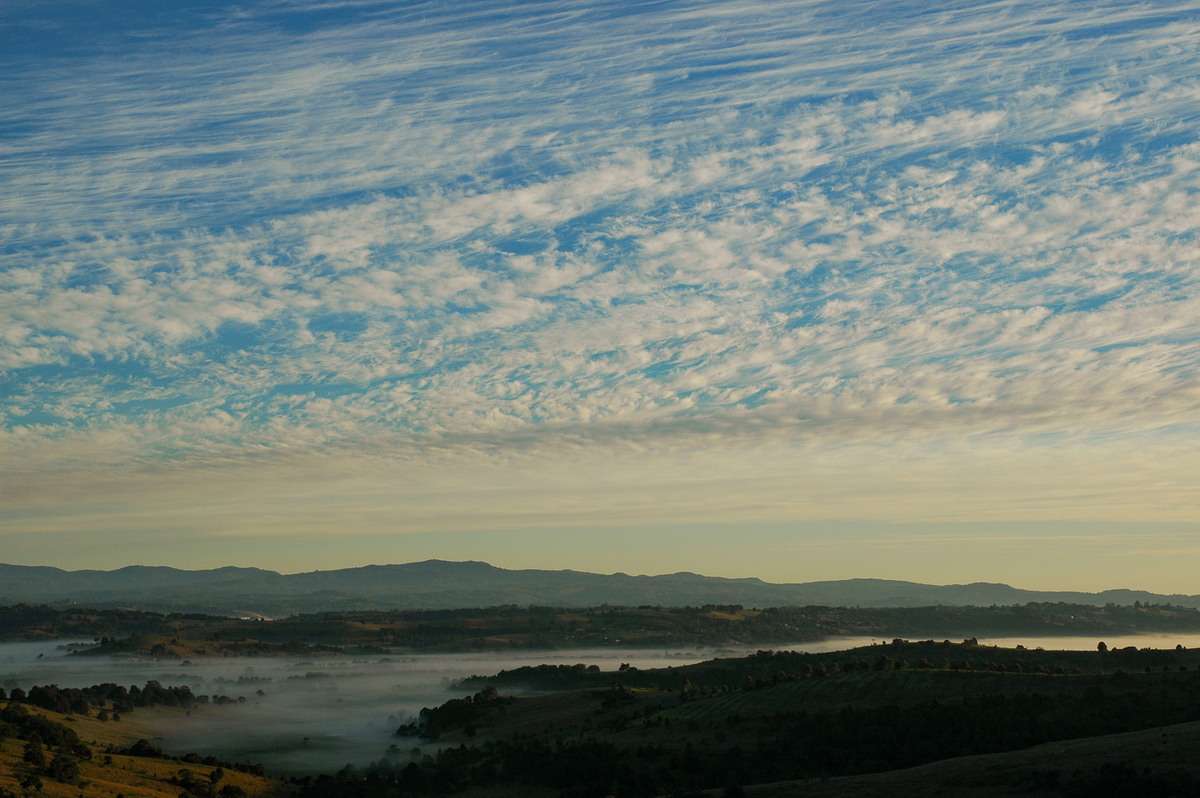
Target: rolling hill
{"points": [[438, 584]]}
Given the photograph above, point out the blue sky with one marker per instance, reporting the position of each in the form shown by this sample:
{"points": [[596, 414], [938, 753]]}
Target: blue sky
{"points": [[796, 290]]}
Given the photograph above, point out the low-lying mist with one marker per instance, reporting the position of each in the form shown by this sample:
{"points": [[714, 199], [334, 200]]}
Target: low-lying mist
{"points": [[300, 715], [308, 715]]}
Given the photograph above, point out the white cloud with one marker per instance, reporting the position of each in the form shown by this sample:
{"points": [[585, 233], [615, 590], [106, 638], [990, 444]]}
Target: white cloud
{"points": [[478, 237]]}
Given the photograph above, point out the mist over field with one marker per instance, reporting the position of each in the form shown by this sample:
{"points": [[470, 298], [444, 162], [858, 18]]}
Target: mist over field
{"points": [[318, 714], [315, 714]]}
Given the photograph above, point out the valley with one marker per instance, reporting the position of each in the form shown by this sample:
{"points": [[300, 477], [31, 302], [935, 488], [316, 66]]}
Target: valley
{"points": [[819, 719]]}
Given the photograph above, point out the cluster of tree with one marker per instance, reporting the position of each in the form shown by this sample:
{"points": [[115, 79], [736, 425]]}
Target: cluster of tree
{"points": [[196, 786], [457, 713], [16, 721], [106, 696], [143, 748], [51, 750], [539, 677]]}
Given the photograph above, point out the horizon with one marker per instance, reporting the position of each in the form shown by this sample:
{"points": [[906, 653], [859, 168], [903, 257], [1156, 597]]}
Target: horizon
{"points": [[798, 290]]}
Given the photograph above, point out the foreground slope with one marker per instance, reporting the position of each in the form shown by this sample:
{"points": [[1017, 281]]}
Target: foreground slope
{"points": [[1160, 761]]}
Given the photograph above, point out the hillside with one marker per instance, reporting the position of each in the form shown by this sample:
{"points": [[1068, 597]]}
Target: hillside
{"points": [[436, 584], [780, 723], [97, 754], [1158, 761]]}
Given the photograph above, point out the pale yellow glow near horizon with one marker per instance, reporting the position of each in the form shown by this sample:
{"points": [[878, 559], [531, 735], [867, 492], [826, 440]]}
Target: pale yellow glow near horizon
{"points": [[543, 510]]}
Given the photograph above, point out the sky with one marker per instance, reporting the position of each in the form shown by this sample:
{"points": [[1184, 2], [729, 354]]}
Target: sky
{"points": [[794, 289]]}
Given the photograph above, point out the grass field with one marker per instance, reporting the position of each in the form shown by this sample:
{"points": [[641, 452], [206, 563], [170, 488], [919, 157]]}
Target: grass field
{"points": [[111, 775]]}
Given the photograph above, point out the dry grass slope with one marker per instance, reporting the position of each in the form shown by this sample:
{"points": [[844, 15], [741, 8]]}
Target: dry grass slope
{"points": [[112, 775]]}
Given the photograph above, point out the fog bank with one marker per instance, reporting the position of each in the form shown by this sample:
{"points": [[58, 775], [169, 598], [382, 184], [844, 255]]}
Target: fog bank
{"points": [[300, 715], [307, 715]]}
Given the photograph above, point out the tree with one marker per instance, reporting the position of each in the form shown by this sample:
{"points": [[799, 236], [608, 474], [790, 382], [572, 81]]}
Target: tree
{"points": [[1102, 647], [64, 768], [35, 755]]}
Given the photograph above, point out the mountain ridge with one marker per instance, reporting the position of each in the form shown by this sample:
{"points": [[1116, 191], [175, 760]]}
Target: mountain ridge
{"points": [[447, 584]]}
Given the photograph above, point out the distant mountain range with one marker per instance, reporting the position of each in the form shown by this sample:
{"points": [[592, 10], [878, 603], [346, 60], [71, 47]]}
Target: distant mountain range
{"points": [[438, 584]]}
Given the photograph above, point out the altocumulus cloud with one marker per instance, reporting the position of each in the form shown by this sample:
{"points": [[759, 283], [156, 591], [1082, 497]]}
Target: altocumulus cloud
{"points": [[598, 261]]}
